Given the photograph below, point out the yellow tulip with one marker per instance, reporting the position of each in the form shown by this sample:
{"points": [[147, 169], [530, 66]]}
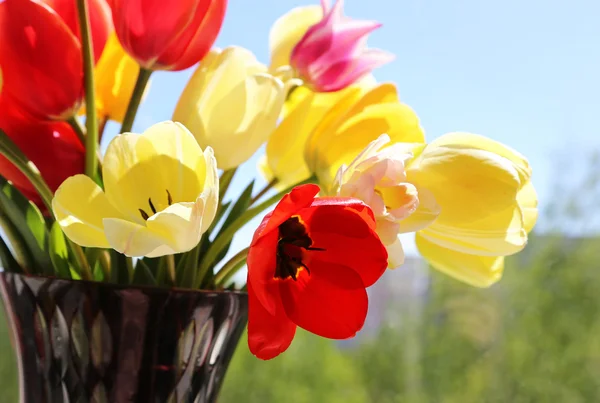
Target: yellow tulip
{"points": [[116, 74], [287, 31], [487, 205], [303, 110], [352, 123], [161, 194], [231, 104]]}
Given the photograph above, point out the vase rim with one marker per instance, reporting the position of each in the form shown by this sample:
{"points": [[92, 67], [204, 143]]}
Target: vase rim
{"points": [[4, 273]]}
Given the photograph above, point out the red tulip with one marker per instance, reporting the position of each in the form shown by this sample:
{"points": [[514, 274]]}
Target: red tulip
{"points": [[309, 264], [100, 20], [52, 146], [171, 35], [40, 54]]}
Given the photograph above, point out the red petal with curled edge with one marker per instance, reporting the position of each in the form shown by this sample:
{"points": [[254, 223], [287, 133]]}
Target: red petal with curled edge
{"points": [[41, 60], [268, 334], [347, 233], [330, 302]]}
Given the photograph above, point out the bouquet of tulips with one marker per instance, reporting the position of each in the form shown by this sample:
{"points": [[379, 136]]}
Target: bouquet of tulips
{"points": [[346, 160]]}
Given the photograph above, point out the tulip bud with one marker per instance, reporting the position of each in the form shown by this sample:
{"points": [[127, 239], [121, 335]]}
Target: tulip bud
{"points": [[332, 54], [167, 35], [487, 205], [231, 104]]}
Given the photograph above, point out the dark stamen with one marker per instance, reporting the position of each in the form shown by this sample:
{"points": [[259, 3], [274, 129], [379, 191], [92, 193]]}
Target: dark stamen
{"points": [[144, 214], [169, 198], [151, 205], [318, 249]]}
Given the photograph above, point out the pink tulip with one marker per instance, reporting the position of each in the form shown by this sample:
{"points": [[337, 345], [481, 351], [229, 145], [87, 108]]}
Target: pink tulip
{"points": [[333, 53]]}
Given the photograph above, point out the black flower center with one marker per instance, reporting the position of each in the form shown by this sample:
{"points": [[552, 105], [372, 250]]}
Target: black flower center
{"points": [[145, 215], [293, 241]]}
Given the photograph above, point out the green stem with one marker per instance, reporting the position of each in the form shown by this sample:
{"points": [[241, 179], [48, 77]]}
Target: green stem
{"points": [[136, 98], [264, 190], [129, 265], [79, 255], [231, 267], [77, 128], [226, 236], [171, 268], [91, 138]]}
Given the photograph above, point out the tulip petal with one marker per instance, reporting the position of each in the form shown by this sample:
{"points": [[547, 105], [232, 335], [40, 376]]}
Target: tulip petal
{"points": [[41, 60], [499, 234], [331, 301], [268, 334], [115, 73], [180, 224], [426, 213], [476, 141], [478, 271], [288, 30], [348, 239], [135, 240], [481, 182], [164, 165], [527, 199], [80, 206], [395, 254], [397, 120]]}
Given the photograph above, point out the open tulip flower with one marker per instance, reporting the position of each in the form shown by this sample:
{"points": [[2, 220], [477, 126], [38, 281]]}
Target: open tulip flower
{"points": [[167, 37], [309, 263], [161, 195]]}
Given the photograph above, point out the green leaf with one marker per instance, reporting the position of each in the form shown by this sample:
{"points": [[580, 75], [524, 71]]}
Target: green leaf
{"points": [[118, 266], [9, 263], [59, 251], [29, 222], [142, 274], [239, 208], [16, 242]]}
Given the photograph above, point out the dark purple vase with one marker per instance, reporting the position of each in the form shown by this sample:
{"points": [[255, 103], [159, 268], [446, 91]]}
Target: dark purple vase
{"points": [[80, 341]]}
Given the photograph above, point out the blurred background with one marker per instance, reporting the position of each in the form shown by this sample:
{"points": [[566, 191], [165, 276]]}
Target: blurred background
{"points": [[521, 72]]}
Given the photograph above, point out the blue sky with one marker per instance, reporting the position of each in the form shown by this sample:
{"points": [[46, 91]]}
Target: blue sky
{"points": [[523, 72]]}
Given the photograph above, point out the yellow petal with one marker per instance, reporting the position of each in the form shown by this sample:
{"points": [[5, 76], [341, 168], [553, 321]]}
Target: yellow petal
{"points": [[210, 194], [135, 240], [80, 206], [425, 214], [468, 184], [478, 271], [116, 74], [180, 224], [287, 31], [499, 234], [397, 120], [165, 162], [527, 199], [231, 101], [395, 254], [476, 141]]}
